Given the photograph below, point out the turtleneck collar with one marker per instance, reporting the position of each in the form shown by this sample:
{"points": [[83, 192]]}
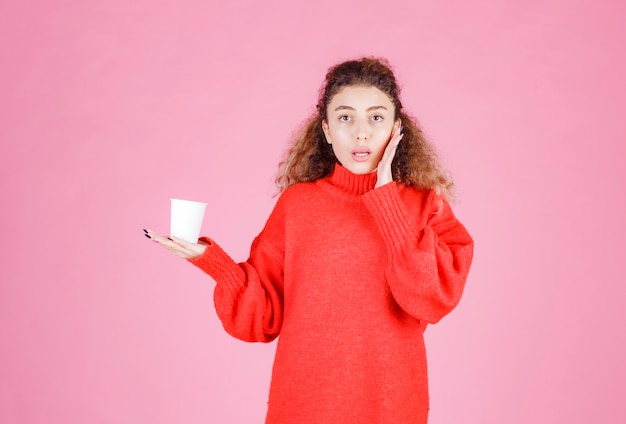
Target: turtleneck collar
{"points": [[352, 183]]}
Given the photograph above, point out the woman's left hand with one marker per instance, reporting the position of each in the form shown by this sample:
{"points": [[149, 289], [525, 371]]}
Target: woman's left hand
{"points": [[384, 166]]}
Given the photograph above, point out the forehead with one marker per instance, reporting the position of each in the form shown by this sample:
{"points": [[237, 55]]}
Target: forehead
{"points": [[357, 96]]}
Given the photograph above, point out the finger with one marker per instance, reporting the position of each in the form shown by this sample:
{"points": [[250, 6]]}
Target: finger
{"points": [[397, 138], [181, 242], [175, 248], [149, 233], [397, 132], [166, 242], [178, 246], [390, 151], [190, 249], [395, 142], [157, 238], [152, 235]]}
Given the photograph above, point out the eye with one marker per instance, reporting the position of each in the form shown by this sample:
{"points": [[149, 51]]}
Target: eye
{"points": [[344, 118], [377, 118]]}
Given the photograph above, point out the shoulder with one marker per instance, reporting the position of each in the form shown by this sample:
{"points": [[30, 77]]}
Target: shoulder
{"points": [[297, 190], [295, 193], [293, 196], [289, 205]]}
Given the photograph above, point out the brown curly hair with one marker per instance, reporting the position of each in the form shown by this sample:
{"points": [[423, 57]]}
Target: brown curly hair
{"points": [[311, 157]]}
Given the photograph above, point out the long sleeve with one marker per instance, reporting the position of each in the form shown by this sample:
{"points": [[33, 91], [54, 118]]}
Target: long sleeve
{"points": [[249, 295], [429, 250]]}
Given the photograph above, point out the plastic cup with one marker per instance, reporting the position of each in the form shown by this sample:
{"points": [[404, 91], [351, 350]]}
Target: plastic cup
{"points": [[186, 219]]}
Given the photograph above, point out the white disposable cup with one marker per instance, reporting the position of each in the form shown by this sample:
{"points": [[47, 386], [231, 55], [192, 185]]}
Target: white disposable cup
{"points": [[186, 219]]}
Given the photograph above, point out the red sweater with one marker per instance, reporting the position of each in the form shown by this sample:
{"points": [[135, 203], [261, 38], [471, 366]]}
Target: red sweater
{"points": [[348, 276]]}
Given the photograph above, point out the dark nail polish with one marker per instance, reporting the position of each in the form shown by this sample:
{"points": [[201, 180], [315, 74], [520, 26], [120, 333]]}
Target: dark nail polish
{"points": [[148, 235], [145, 231]]}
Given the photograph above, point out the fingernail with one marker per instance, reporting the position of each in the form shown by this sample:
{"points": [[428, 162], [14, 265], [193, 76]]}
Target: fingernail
{"points": [[148, 235], [145, 231], [170, 239]]}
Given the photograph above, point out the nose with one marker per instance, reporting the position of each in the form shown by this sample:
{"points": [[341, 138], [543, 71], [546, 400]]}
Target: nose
{"points": [[362, 131]]}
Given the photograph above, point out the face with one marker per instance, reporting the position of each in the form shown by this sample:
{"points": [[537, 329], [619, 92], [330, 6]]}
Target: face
{"points": [[359, 124]]}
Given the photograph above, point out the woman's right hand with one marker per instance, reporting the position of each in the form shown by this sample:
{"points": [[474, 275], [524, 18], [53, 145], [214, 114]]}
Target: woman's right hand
{"points": [[179, 247]]}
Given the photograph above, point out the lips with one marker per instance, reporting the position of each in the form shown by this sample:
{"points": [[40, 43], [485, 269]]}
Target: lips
{"points": [[361, 154]]}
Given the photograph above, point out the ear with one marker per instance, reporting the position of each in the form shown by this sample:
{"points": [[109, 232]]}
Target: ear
{"points": [[326, 132], [397, 124]]}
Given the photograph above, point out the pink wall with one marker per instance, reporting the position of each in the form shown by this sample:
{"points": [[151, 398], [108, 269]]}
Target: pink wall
{"points": [[108, 109]]}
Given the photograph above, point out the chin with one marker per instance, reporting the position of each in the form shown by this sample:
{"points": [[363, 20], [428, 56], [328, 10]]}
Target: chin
{"points": [[361, 169]]}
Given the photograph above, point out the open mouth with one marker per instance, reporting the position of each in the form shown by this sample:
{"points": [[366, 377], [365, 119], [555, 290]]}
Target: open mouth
{"points": [[361, 154]]}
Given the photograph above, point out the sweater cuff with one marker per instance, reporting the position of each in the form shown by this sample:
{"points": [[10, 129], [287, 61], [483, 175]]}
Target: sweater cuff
{"points": [[220, 266], [391, 216]]}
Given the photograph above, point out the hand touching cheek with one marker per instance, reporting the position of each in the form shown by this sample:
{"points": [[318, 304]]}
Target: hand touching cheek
{"points": [[385, 175]]}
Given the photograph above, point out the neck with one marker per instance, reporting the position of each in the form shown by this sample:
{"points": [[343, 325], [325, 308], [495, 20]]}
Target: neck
{"points": [[353, 183]]}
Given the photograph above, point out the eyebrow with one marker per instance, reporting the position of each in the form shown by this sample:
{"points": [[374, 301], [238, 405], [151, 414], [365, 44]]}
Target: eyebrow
{"points": [[368, 109]]}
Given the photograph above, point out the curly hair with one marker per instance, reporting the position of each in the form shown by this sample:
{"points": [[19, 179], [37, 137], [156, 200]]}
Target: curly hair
{"points": [[310, 157]]}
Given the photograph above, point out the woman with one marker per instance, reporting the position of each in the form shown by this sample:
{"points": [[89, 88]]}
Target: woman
{"points": [[360, 253]]}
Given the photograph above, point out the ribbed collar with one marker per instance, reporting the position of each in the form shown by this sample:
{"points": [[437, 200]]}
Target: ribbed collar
{"points": [[352, 183]]}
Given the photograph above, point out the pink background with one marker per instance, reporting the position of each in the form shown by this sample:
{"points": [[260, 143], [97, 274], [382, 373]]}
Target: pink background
{"points": [[110, 108]]}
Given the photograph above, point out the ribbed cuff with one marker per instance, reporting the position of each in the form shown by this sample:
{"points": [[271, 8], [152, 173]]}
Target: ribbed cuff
{"points": [[391, 216], [220, 266]]}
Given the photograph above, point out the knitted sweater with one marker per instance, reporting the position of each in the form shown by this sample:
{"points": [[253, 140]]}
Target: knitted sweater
{"points": [[348, 276]]}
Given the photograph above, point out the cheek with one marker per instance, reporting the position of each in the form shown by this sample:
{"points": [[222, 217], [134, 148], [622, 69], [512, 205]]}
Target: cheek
{"points": [[383, 142], [381, 150], [339, 133], [384, 135]]}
